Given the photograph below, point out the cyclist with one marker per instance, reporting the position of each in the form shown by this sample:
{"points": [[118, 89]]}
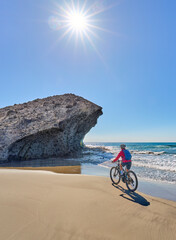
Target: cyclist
{"points": [[126, 158]]}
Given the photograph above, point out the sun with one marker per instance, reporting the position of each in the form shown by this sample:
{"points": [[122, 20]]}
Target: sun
{"points": [[77, 21]]}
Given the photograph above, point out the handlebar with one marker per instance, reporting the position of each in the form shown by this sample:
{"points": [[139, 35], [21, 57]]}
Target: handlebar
{"points": [[118, 161]]}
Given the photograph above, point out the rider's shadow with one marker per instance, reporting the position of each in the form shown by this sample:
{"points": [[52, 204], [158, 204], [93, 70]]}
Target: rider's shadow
{"points": [[132, 196]]}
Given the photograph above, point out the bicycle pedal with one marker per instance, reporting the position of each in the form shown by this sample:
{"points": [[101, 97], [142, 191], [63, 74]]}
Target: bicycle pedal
{"points": [[123, 180]]}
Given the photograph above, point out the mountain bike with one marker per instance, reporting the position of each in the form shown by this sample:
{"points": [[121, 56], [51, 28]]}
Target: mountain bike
{"points": [[128, 177]]}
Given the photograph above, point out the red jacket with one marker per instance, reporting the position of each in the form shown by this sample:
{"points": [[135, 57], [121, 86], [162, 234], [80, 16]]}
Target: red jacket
{"points": [[122, 155]]}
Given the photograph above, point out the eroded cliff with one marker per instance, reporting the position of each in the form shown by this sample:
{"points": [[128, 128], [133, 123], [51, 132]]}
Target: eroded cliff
{"points": [[48, 127]]}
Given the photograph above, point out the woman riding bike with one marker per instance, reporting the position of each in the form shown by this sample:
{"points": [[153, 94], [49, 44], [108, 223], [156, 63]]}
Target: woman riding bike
{"points": [[126, 158], [116, 173]]}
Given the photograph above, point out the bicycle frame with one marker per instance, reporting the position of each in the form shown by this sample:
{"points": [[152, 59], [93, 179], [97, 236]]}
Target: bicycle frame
{"points": [[124, 168], [129, 177]]}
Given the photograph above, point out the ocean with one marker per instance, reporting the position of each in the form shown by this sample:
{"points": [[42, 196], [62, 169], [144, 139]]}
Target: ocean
{"points": [[150, 161]]}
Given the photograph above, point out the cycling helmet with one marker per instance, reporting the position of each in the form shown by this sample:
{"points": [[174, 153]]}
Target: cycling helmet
{"points": [[123, 146]]}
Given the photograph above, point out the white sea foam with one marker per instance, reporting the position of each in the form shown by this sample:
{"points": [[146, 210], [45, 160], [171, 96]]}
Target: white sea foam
{"points": [[148, 165], [171, 168], [102, 165], [148, 152], [115, 149], [148, 161]]}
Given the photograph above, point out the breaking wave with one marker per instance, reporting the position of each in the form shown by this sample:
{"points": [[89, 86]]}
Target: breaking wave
{"points": [[148, 152], [155, 164]]}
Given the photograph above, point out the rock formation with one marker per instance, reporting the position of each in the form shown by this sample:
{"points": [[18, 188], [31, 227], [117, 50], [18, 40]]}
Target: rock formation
{"points": [[49, 127]]}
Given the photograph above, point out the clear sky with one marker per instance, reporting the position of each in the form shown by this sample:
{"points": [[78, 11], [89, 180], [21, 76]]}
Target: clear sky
{"points": [[129, 69]]}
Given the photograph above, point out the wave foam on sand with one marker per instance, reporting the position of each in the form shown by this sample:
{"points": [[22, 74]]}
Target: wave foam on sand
{"points": [[151, 165]]}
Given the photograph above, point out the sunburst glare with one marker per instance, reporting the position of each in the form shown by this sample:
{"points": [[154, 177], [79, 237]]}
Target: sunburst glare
{"points": [[74, 20]]}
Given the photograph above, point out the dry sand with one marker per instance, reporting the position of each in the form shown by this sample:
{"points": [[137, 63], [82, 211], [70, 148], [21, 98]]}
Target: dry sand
{"points": [[48, 206]]}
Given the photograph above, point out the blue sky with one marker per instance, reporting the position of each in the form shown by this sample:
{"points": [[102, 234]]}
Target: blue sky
{"points": [[134, 80]]}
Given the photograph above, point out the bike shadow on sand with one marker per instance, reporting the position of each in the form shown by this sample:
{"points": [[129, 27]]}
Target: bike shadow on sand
{"points": [[132, 196]]}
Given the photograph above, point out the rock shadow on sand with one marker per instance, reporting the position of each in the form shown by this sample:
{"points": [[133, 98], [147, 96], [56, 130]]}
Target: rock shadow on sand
{"points": [[132, 196]]}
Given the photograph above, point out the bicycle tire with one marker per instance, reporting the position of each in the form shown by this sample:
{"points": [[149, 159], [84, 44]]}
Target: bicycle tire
{"points": [[114, 174], [130, 184]]}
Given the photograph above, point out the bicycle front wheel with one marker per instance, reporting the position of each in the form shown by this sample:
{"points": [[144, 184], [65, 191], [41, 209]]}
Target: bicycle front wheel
{"points": [[132, 181], [115, 175]]}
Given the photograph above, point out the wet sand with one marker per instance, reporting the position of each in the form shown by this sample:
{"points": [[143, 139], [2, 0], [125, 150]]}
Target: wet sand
{"points": [[46, 205], [56, 169], [153, 188], [156, 189]]}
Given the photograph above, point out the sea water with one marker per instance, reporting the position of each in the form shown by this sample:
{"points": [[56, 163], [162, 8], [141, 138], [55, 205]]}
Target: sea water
{"points": [[150, 161]]}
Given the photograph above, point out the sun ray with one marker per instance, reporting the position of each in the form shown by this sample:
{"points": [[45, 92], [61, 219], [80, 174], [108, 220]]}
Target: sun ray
{"points": [[58, 40], [76, 39], [101, 29], [84, 6], [78, 6], [71, 8], [93, 33], [101, 10], [65, 33], [94, 47], [63, 10], [91, 7], [70, 37], [82, 40]]}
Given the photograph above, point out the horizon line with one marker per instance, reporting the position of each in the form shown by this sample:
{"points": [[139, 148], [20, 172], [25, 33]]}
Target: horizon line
{"points": [[128, 142]]}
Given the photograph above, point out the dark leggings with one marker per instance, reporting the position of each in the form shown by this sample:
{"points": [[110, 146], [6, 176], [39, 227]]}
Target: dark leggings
{"points": [[127, 164]]}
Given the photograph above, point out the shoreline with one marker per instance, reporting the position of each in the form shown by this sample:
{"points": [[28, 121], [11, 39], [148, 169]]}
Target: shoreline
{"points": [[56, 169], [46, 205], [153, 188]]}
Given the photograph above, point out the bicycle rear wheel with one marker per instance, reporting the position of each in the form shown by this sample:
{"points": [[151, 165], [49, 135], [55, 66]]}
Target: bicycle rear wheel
{"points": [[115, 175], [132, 181]]}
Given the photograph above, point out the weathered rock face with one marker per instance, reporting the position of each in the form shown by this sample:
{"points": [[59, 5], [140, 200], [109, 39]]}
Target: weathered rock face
{"points": [[48, 127]]}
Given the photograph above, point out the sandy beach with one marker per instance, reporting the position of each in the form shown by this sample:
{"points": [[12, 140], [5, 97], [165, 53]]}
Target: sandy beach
{"points": [[46, 205]]}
